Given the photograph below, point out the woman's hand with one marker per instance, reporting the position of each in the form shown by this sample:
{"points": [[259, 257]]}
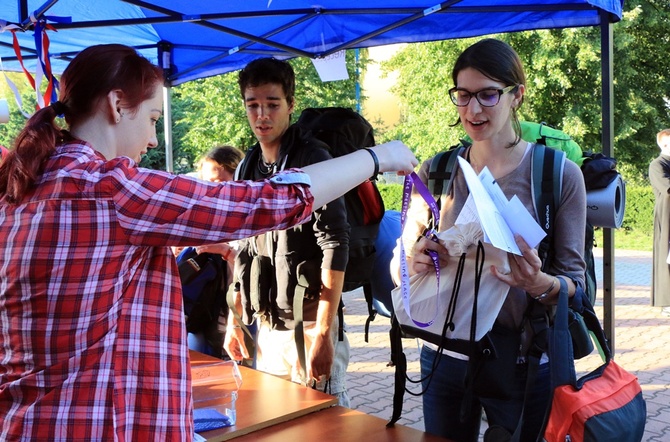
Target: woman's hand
{"points": [[394, 156], [420, 261], [526, 272]]}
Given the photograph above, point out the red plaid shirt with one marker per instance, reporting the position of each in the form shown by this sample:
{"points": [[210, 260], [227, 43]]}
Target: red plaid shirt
{"points": [[92, 337]]}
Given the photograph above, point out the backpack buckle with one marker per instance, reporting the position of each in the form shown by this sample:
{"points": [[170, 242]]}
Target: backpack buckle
{"points": [[194, 264]]}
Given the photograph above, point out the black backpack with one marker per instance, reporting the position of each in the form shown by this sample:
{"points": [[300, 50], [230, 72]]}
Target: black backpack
{"points": [[345, 131], [204, 280]]}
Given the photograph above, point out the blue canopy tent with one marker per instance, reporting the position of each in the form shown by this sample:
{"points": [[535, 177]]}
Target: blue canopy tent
{"points": [[199, 38], [193, 39]]}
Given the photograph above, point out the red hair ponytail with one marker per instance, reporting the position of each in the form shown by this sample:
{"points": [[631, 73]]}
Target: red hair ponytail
{"points": [[91, 75], [32, 147]]}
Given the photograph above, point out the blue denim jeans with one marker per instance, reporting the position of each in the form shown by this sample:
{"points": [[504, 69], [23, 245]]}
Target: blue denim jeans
{"points": [[445, 389]]}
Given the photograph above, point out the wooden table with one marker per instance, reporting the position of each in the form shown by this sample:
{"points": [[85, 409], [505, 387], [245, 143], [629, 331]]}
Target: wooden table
{"points": [[264, 400], [339, 424]]}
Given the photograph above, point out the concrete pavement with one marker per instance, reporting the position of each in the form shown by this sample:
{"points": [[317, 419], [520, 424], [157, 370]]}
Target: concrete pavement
{"points": [[642, 338]]}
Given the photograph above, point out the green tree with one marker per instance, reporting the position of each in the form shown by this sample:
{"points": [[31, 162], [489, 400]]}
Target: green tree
{"points": [[205, 113], [427, 113], [11, 129], [210, 111], [563, 69], [566, 83], [642, 84]]}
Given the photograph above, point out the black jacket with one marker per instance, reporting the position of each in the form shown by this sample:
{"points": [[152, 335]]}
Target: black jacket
{"points": [[273, 267]]}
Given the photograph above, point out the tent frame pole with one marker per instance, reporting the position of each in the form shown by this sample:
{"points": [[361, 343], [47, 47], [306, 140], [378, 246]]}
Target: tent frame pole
{"points": [[167, 127], [607, 56]]}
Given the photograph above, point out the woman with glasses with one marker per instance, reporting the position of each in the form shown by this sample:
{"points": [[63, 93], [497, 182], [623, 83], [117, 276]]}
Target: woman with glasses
{"points": [[489, 88]]}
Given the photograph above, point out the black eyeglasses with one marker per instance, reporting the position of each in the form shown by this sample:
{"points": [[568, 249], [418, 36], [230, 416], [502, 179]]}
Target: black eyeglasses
{"points": [[488, 97]]}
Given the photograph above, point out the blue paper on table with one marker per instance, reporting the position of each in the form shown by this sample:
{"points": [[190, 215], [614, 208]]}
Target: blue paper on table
{"points": [[206, 419]]}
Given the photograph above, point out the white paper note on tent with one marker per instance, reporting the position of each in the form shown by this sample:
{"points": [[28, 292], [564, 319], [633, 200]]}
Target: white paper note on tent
{"points": [[500, 219], [332, 67]]}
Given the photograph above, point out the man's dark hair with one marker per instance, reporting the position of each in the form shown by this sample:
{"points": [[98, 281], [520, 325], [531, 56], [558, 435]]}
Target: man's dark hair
{"points": [[268, 70]]}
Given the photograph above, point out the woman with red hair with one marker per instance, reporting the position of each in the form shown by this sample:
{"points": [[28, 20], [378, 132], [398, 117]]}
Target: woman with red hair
{"points": [[92, 337]]}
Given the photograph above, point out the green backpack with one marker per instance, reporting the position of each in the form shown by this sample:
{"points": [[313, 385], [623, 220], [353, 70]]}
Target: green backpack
{"points": [[554, 138], [541, 133]]}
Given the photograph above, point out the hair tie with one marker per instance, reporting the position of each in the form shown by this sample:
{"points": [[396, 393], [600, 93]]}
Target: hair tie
{"points": [[58, 107]]}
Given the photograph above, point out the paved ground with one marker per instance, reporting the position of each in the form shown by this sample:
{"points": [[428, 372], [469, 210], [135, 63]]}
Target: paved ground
{"points": [[642, 338]]}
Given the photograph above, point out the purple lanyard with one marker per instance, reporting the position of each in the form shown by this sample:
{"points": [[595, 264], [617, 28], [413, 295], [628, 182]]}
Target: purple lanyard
{"points": [[414, 180]]}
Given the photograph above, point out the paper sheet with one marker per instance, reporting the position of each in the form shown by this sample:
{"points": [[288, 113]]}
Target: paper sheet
{"points": [[332, 67], [500, 218]]}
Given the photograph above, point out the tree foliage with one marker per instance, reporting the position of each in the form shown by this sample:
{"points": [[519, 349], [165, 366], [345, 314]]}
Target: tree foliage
{"points": [[563, 69], [9, 130], [210, 111], [564, 90]]}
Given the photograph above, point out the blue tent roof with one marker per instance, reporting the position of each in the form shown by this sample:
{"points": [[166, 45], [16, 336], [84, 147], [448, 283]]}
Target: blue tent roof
{"points": [[200, 38]]}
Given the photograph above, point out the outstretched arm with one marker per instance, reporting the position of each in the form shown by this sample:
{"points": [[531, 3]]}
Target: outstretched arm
{"points": [[333, 178]]}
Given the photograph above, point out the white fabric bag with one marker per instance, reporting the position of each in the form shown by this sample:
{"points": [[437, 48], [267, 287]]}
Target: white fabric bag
{"points": [[428, 306]]}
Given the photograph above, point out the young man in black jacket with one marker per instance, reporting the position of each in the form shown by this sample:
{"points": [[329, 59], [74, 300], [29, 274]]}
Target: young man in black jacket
{"points": [[306, 262]]}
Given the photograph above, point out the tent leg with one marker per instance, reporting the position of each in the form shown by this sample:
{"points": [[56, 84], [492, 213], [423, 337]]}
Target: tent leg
{"points": [[607, 51], [167, 130]]}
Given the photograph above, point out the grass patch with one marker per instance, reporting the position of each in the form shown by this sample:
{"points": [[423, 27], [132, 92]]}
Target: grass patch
{"points": [[628, 239]]}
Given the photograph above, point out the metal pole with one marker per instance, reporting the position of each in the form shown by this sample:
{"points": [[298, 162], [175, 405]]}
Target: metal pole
{"points": [[38, 13], [607, 51], [167, 127], [358, 82], [165, 62]]}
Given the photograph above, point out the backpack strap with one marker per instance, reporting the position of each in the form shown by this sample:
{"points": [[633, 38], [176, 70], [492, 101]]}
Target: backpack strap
{"points": [[399, 361], [440, 178], [249, 337], [546, 187], [299, 332], [441, 173], [546, 181], [372, 312]]}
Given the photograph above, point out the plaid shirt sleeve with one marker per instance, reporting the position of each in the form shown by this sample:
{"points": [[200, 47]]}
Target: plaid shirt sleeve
{"points": [[156, 208]]}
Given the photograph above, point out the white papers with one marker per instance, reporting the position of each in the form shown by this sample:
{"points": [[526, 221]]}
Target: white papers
{"points": [[332, 67], [500, 219]]}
